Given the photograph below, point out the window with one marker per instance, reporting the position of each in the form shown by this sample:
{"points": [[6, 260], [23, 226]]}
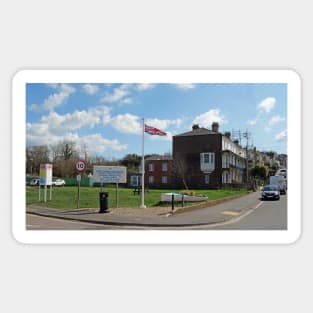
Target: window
{"points": [[207, 161], [164, 179], [207, 158], [164, 167], [151, 179], [151, 167], [135, 180], [206, 179]]}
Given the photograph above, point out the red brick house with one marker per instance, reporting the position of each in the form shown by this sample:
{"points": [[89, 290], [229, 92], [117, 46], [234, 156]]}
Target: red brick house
{"points": [[158, 171]]}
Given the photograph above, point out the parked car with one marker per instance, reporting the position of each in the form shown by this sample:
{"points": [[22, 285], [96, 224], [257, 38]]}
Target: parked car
{"points": [[34, 182], [58, 182], [270, 192], [282, 172], [280, 182]]}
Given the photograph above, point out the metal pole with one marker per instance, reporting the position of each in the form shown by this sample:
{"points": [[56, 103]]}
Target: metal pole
{"points": [[78, 193], [172, 203], [143, 167], [116, 195], [45, 194]]}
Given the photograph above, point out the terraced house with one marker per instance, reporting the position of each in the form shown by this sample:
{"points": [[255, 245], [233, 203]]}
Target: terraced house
{"points": [[204, 158]]}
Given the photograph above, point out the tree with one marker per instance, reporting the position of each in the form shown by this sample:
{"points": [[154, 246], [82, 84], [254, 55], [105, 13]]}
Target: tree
{"points": [[34, 157], [68, 149], [64, 155], [259, 171], [131, 161], [180, 168]]}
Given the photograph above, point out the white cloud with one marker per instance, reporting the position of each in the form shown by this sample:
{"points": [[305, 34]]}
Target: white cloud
{"points": [[276, 119], [142, 87], [126, 123], [132, 124], [106, 118], [53, 126], [185, 86], [163, 124], [127, 101], [76, 120], [90, 89], [252, 122], [97, 144], [267, 104], [206, 119], [39, 134], [281, 136], [55, 99], [118, 94], [57, 123], [168, 137]]}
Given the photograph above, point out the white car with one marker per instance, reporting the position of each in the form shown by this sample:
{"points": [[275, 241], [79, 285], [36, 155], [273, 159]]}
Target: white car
{"points": [[34, 182], [58, 182]]}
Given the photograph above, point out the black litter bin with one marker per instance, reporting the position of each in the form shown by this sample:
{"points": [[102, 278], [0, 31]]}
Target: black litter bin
{"points": [[104, 203]]}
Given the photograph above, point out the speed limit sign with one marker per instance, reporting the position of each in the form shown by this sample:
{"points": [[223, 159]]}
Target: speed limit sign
{"points": [[80, 165]]}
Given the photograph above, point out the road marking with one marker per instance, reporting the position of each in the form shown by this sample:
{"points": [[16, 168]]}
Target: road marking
{"points": [[230, 212], [235, 220]]}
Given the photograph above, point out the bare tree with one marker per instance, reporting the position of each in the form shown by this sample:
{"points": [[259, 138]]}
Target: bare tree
{"points": [[34, 157], [180, 168]]}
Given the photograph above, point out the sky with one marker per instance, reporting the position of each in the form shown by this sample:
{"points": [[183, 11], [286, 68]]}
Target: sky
{"points": [[106, 119]]}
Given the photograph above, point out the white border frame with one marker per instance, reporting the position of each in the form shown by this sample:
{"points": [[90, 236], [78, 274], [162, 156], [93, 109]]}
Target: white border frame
{"points": [[156, 236]]}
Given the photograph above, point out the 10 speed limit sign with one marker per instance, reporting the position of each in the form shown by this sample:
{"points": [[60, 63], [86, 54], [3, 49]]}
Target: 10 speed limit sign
{"points": [[80, 165]]}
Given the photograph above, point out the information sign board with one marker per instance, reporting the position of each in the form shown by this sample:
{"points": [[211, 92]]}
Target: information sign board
{"points": [[109, 174]]}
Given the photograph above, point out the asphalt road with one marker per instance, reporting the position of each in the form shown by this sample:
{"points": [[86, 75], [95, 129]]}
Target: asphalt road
{"points": [[269, 215]]}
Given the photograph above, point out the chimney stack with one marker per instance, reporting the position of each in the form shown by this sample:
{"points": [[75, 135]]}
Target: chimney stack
{"points": [[195, 126], [227, 134], [215, 127]]}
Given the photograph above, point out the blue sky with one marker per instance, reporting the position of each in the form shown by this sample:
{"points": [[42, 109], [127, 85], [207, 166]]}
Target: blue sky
{"points": [[106, 118]]}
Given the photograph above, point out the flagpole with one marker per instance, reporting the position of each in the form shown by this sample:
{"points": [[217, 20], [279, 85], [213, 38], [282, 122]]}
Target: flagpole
{"points": [[143, 167]]}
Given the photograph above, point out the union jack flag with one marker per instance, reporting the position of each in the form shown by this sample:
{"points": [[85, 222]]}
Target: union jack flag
{"points": [[154, 131]]}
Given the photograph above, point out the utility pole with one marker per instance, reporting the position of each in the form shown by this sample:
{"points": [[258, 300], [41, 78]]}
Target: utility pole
{"points": [[247, 135]]}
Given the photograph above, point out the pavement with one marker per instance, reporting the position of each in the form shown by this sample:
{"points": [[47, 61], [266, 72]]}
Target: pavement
{"points": [[211, 212]]}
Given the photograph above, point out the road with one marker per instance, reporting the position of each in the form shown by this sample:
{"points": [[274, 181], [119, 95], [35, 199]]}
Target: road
{"points": [[269, 215], [266, 215]]}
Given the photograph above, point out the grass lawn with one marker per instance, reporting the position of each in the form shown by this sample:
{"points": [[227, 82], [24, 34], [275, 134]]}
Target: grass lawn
{"points": [[66, 197]]}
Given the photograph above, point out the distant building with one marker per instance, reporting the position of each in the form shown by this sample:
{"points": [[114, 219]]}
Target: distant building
{"points": [[206, 158], [158, 171]]}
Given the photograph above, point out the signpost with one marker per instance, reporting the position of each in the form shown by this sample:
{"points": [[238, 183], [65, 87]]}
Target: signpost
{"points": [[110, 175], [45, 179], [80, 166]]}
